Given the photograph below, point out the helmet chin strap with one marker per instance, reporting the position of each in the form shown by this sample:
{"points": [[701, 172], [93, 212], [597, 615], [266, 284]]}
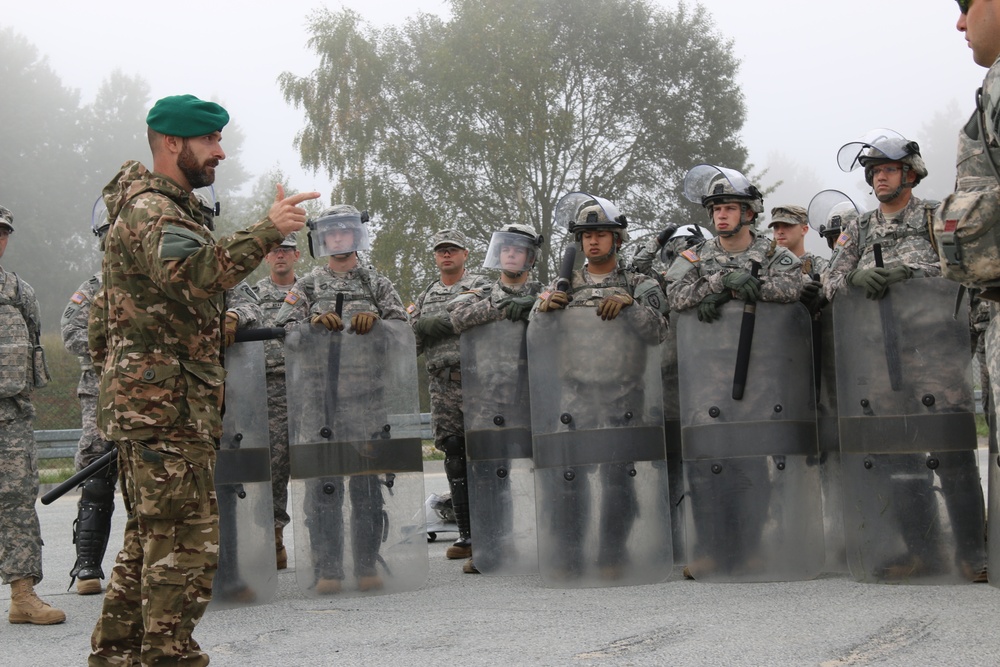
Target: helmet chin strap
{"points": [[904, 183], [513, 275]]}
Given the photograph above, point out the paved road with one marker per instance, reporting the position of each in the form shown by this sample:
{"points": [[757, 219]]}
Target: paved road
{"points": [[467, 620]]}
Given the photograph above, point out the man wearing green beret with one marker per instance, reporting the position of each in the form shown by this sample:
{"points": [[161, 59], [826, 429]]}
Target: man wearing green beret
{"points": [[159, 332]]}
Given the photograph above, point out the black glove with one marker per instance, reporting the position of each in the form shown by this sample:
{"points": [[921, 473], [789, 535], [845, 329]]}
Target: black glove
{"points": [[812, 296], [708, 309], [665, 235], [519, 307], [433, 328], [744, 285], [873, 281]]}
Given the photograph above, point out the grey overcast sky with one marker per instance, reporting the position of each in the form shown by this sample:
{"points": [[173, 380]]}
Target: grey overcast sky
{"points": [[815, 74]]}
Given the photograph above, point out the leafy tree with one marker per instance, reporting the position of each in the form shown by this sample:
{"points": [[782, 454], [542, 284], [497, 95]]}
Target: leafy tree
{"points": [[493, 115]]}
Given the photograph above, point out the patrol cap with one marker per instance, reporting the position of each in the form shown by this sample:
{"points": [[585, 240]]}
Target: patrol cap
{"points": [[6, 218], [449, 237], [186, 116], [289, 242], [790, 215]]}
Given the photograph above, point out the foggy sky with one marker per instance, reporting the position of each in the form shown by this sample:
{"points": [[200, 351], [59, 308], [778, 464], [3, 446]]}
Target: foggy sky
{"points": [[815, 75]]}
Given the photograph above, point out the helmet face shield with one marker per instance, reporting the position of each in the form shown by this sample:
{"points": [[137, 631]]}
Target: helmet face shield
{"points": [[568, 209], [830, 211], [338, 234], [99, 222], [707, 185], [513, 252], [878, 144]]}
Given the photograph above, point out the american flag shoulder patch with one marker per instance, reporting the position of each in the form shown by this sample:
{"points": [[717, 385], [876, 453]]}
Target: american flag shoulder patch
{"points": [[78, 298]]}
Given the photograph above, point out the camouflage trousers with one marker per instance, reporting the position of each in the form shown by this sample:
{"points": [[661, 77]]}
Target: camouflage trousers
{"points": [[162, 579], [21, 547], [447, 417], [277, 424], [92, 445]]}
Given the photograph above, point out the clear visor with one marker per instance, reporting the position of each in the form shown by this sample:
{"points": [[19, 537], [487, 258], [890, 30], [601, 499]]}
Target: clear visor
{"points": [[831, 209], [510, 251], [567, 207], [881, 142], [338, 235], [700, 178], [99, 217]]}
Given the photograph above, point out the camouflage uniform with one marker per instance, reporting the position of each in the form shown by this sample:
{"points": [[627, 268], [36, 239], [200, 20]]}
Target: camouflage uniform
{"points": [[364, 290], [160, 401], [813, 264], [904, 239], [699, 272], [21, 549], [92, 444], [271, 298]]}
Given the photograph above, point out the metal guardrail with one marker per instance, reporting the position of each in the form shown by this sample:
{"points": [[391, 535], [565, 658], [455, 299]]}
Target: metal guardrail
{"points": [[62, 443]]}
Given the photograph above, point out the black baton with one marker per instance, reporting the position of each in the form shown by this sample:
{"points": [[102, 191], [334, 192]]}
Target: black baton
{"points": [[79, 478], [746, 341], [889, 337]]}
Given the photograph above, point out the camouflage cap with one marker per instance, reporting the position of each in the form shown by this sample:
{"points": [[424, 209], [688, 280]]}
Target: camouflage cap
{"points": [[790, 215], [290, 241], [6, 218], [186, 116], [449, 237]]}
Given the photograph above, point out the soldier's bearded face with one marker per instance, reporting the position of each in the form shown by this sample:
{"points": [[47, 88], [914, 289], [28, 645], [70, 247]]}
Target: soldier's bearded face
{"points": [[198, 159]]}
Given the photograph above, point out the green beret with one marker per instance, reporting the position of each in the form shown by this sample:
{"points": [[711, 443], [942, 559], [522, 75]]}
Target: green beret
{"points": [[186, 116]]}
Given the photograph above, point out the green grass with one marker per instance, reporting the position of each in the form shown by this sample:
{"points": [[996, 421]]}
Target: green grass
{"points": [[982, 430], [53, 471]]}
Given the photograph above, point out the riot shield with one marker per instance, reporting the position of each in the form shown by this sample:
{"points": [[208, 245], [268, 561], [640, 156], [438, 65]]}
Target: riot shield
{"points": [[597, 437], [913, 505], [247, 568], [674, 469], [824, 366], [498, 447], [993, 527], [750, 465], [355, 459]]}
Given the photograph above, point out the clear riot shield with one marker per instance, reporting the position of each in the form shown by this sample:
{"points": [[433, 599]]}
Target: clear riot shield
{"points": [[497, 411], [247, 569], [597, 437], [751, 465], [913, 505], [825, 369], [356, 464], [674, 469], [993, 527]]}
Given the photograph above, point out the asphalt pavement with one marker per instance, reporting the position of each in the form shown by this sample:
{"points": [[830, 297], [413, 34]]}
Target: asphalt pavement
{"points": [[464, 620]]}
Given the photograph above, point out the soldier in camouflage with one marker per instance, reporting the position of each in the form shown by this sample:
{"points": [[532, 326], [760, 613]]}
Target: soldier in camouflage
{"points": [[438, 342], [159, 334], [789, 226], [340, 233], [900, 225], [719, 270], [21, 370], [271, 292]]}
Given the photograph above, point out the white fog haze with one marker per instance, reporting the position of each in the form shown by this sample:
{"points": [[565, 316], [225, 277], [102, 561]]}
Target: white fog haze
{"points": [[814, 75]]}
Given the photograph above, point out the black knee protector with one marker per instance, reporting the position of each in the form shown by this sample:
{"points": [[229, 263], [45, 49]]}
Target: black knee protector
{"points": [[453, 447], [92, 527]]}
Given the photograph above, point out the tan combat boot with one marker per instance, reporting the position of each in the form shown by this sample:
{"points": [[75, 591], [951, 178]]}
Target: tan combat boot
{"points": [[279, 548], [26, 607]]}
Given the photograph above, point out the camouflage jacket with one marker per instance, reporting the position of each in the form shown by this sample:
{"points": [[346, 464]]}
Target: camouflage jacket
{"points": [[74, 332], [271, 297], [905, 239], [20, 297], [483, 304], [433, 302], [242, 300], [699, 271], [649, 309], [364, 290], [165, 277]]}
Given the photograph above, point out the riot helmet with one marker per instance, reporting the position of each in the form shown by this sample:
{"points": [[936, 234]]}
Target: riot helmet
{"points": [[7, 219], [100, 223], [686, 236], [328, 233], [709, 185], [830, 211], [882, 146], [580, 212], [513, 235]]}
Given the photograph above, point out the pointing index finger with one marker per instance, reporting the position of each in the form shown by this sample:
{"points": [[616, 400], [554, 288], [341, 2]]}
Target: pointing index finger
{"points": [[295, 200]]}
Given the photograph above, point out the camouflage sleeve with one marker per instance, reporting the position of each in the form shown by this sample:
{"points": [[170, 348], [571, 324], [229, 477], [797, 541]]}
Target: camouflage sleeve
{"points": [[295, 308], [73, 325], [243, 301], [475, 307], [389, 304], [642, 261], [414, 312], [189, 267], [783, 279], [97, 335], [844, 260], [33, 312], [691, 287], [650, 309]]}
